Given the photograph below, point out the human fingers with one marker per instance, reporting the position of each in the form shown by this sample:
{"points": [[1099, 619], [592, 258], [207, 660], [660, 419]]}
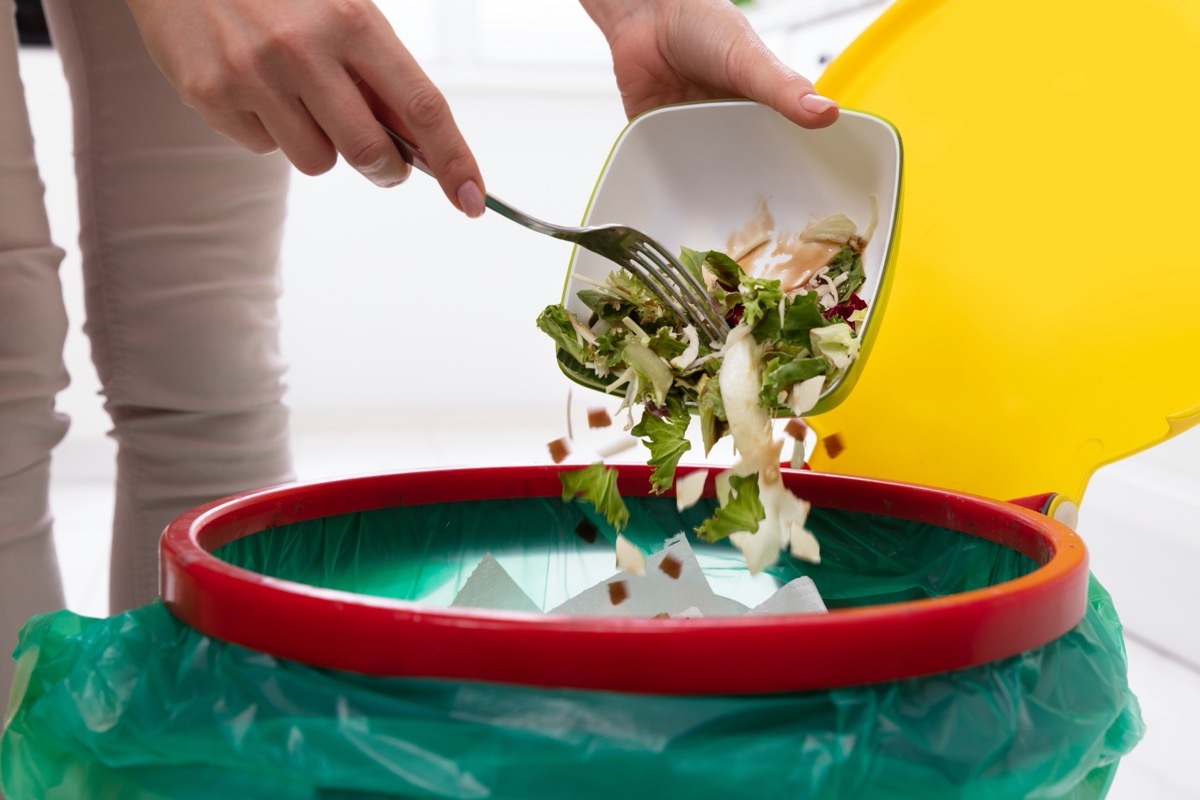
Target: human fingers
{"points": [[306, 102], [408, 100], [273, 74], [245, 128], [712, 42], [758, 74], [340, 109]]}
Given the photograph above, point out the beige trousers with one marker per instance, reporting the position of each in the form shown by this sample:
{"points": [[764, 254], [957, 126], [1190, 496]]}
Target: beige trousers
{"points": [[180, 234]]}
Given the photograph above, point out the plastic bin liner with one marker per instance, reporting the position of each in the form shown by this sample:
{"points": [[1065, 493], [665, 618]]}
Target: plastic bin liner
{"points": [[139, 706]]}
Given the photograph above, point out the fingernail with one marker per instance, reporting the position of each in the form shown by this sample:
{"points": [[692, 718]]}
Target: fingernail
{"points": [[816, 103], [470, 199], [380, 174]]}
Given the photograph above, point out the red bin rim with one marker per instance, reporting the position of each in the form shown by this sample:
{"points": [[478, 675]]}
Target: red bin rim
{"points": [[735, 655]]}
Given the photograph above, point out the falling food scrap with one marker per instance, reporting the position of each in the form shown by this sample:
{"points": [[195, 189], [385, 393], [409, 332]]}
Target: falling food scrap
{"points": [[689, 488], [587, 531], [672, 566], [559, 449], [629, 557], [833, 445], [796, 429], [570, 428], [617, 592], [620, 444], [598, 418]]}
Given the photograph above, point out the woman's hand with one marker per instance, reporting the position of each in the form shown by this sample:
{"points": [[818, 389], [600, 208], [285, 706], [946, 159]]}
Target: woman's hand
{"points": [[674, 51], [309, 78], [312, 78]]}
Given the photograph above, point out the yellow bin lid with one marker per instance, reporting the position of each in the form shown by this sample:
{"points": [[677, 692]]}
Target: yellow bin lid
{"points": [[1044, 317]]}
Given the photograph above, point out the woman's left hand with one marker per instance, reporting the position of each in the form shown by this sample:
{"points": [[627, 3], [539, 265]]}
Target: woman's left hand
{"points": [[675, 51]]}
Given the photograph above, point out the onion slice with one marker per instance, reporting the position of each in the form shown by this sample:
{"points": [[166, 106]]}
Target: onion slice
{"points": [[629, 557], [689, 488]]}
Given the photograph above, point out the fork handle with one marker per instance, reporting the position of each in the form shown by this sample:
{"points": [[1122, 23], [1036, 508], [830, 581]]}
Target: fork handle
{"points": [[409, 151], [413, 155]]}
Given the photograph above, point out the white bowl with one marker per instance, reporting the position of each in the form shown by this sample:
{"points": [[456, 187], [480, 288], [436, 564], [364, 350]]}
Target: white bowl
{"points": [[690, 175]]}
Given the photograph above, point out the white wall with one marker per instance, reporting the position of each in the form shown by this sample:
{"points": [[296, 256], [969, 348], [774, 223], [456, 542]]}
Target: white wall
{"points": [[394, 302]]}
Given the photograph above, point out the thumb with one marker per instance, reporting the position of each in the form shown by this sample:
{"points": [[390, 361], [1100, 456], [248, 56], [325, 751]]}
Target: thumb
{"points": [[758, 74]]}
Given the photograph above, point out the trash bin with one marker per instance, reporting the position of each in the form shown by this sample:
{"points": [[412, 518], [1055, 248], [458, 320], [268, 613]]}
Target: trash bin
{"points": [[297, 653]]}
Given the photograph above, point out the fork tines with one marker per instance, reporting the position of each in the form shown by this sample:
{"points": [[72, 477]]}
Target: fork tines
{"points": [[677, 289]]}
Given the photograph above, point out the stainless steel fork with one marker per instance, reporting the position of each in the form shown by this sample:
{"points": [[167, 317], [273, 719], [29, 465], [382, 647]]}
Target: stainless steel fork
{"points": [[669, 281]]}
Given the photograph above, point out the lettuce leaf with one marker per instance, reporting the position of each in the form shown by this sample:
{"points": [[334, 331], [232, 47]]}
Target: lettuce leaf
{"points": [[597, 484], [782, 372], [802, 315], [610, 345], [608, 306], [836, 344], [649, 309], [849, 261], [713, 424], [666, 343], [760, 301], [555, 321], [693, 262], [741, 512], [666, 437], [724, 268]]}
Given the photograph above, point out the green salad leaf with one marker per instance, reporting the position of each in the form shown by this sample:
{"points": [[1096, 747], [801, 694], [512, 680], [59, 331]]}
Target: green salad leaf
{"points": [[555, 321], [713, 423], [597, 484], [836, 344], [848, 261], [724, 268], [693, 261], [606, 305], [665, 434], [802, 315], [783, 371], [741, 511]]}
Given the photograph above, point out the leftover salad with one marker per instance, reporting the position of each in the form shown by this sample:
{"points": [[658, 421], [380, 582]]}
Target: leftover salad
{"points": [[794, 306]]}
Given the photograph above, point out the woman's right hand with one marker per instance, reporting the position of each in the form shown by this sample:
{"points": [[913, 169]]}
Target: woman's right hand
{"points": [[312, 79]]}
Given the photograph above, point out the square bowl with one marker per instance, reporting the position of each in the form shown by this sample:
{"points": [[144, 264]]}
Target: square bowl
{"points": [[690, 175]]}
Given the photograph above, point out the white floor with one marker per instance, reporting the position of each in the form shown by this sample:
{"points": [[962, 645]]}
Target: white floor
{"points": [[1169, 690]]}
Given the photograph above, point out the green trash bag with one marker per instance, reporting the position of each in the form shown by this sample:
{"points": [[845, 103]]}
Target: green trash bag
{"points": [[141, 707]]}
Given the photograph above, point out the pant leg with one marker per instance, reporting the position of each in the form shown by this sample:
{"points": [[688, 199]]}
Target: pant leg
{"points": [[33, 326], [180, 236]]}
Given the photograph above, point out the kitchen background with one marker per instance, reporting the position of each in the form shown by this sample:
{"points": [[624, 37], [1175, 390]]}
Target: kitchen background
{"points": [[410, 332]]}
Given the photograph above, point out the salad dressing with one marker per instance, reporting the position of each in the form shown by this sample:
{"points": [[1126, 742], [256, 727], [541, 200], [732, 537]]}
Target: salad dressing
{"points": [[793, 262]]}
